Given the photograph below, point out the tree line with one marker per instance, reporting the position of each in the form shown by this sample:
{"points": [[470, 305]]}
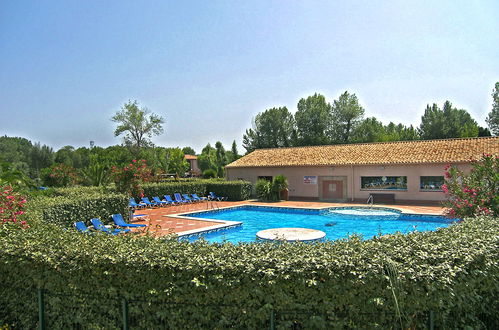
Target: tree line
{"points": [[318, 122]]}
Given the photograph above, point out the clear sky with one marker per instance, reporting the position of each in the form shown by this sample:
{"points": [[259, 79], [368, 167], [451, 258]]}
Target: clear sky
{"points": [[208, 67]]}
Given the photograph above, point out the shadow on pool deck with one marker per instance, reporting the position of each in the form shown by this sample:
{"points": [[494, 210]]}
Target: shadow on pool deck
{"points": [[162, 223]]}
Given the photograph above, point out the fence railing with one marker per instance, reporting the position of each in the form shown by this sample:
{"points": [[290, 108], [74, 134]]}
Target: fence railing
{"points": [[57, 310]]}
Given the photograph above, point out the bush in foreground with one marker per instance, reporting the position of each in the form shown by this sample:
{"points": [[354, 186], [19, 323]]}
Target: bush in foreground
{"points": [[452, 271]]}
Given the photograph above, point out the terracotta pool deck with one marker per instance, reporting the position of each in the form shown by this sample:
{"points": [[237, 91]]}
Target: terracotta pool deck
{"points": [[162, 221]]}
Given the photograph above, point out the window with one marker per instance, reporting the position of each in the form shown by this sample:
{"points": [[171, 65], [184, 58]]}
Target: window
{"points": [[268, 178], [383, 182], [431, 183]]}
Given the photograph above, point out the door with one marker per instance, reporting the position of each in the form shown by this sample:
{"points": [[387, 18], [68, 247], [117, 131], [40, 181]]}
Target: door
{"points": [[332, 189]]}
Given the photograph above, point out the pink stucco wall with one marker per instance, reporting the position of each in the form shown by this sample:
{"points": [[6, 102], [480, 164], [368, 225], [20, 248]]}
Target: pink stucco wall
{"points": [[297, 188]]}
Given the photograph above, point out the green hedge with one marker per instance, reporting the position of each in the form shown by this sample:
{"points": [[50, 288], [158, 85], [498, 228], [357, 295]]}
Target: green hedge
{"points": [[234, 190], [453, 272], [64, 211]]}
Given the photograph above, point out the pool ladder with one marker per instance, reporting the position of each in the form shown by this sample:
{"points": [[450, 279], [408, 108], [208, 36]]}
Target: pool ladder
{"points": [[212, 205], [370, 201]]}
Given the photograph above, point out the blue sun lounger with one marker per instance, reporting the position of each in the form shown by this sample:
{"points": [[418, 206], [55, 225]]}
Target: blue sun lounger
{"points": [[148, 202], [82, 227], [159, 201], [212, 196], [170, 200], [187, 198], [120, 222], [179, 198], [197, 198], [98, 225], [134, 205]]}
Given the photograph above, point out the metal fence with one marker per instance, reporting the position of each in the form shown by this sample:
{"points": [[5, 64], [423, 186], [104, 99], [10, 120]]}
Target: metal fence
{"points": [[59, 310]]}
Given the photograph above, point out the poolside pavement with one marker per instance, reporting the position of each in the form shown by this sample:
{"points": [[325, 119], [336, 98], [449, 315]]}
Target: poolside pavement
{"points": [[162, 221]]}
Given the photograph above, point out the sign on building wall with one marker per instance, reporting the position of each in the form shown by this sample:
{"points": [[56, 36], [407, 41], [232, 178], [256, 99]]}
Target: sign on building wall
{"points": [[310, 179]]}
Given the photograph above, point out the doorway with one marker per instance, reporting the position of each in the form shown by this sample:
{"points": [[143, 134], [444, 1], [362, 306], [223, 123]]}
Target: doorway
{"points": [[333, 188]]}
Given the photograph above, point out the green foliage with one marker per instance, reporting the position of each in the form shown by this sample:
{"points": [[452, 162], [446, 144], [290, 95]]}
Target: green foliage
{"points": [[263, 190], [347, 113], [138, 125], [188, 151], [59, 175], [177, 163], [96, 175], [209, 174], [475, 193], [169, 188], [272, 128], [270, 190], [235, 190], [344, 284], [493, 116], [447, 123], [313, 121], [76, 204]]}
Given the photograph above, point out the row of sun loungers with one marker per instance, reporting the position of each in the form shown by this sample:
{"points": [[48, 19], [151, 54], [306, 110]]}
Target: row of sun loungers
{"points": [[179, 199], [122, 226]]}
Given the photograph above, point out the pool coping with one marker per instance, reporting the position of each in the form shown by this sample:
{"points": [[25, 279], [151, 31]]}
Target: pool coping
{"points": [[227, 224]]}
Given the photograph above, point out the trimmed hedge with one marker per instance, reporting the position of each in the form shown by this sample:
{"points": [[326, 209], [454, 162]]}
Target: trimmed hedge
{"points": [[453, 271], [64, 211], [234, 190]]}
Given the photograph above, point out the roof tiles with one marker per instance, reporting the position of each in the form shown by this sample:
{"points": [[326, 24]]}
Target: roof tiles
{"points": [[381, 153]]}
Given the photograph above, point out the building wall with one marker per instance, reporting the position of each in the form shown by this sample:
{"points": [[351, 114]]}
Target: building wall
{"points": [[353, 174]]}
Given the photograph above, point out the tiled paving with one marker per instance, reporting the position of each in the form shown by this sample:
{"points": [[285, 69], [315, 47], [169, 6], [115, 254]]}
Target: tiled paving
{"points": [[161, 222]]}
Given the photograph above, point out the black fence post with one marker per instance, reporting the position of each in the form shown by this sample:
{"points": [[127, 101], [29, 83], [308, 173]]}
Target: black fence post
{"points": [[126, 323], [41, 309], [431, 320], [272, 319]]}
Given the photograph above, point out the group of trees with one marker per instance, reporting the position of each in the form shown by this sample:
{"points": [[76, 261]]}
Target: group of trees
{"points": [[318, 122], [212, 161]]}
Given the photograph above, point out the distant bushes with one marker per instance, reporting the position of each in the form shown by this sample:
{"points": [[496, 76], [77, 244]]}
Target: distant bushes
{"points": [[453, 272]]}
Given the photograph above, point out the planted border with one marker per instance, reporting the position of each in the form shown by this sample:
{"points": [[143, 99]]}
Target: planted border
{"points": [[346, 284]]}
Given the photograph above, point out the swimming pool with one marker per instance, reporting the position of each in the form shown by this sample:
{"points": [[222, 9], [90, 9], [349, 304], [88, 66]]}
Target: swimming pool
{"points": [[335, 222]]}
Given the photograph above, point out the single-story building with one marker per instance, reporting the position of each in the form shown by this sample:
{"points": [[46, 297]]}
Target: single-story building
{"points": [[193, 165], [404, 170]]}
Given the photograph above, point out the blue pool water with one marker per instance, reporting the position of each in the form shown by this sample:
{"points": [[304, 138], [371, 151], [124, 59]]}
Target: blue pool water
{"points": [[335, 222]]}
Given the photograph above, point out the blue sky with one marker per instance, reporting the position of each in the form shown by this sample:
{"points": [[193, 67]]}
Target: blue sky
{"points": [[208, 67]]}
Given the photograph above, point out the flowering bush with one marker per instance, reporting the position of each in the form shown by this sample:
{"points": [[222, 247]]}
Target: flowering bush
{"points": [[129, 178], [11, 206], [476, 193], [60, 175]]}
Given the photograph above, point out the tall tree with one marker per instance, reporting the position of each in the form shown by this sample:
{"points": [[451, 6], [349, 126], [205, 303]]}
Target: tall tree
{"points": [[271, 129], [347, 114], [41, 157], [447, 123], [493, 117], [234, 152], [208, 159], [368, 130], [138, 125], [188, 151], [313, 121]]}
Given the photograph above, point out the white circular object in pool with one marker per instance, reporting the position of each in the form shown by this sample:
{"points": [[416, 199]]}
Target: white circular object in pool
{"points": [[365, 212], [290, 234]]}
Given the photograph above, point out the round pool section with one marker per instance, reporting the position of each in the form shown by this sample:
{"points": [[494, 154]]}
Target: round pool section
{"points": [[337, 222], [291, 234]]}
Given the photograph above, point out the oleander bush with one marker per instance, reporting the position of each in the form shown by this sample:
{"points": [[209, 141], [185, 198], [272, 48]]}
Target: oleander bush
{"points": [[453, 272]]}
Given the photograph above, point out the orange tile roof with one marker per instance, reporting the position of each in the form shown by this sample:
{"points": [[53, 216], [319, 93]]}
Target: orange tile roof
{"points": [[380, 153], [190, 157]]}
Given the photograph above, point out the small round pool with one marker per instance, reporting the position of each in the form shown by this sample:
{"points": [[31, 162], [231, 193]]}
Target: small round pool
{"points": [[337, 223]]}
